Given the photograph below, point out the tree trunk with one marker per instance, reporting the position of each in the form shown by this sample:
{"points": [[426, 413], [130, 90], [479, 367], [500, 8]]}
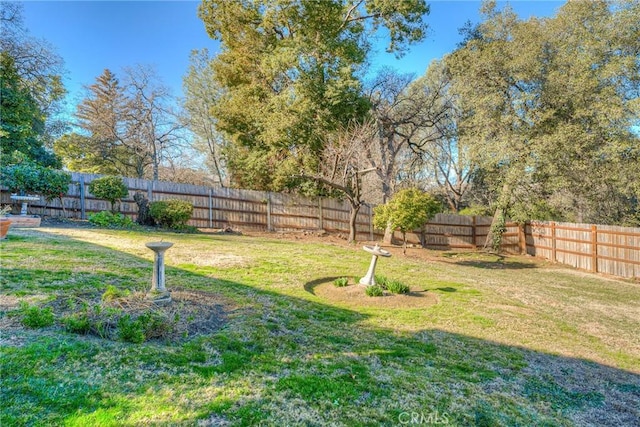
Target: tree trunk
{"points": [[388, 235], [404, 243], [353, 216], [499, 215], [144, 216], [64, 211]]}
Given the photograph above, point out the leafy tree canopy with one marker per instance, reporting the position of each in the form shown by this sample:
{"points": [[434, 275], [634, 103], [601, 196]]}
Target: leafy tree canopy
{"points": [[32, 91], [408, 209], [288, 74], [549, 107]]}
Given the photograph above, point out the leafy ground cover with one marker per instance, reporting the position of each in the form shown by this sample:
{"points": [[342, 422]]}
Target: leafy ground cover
{"points": [[492, 341]]}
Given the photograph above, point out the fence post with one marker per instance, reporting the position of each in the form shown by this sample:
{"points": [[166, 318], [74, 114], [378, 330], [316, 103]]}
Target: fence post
{"points": [[320, 215], [269, 228], [553, 241], [150, 190], [210, 207], [473, 232], [594, 248], [83, 211]]}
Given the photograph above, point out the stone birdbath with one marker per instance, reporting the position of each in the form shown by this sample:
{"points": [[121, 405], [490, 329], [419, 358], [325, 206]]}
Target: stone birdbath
{"points": [[375, 251], [25, 201], [158, 292]]}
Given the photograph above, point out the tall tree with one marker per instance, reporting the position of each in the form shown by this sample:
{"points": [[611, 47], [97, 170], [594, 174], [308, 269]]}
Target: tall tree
{"points": [[201, 94], [151, 110], [32, 86], [409, 116], [549, 105], [443, 163], [344, 165], [289, 74], [129, 128], [112, 140]]}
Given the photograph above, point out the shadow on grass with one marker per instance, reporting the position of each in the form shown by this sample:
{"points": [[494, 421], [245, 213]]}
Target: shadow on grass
{"points": [[312, 285], [496, 265], [306, 363]]}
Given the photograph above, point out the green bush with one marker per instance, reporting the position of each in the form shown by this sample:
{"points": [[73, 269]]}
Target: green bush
{"points": [[341, 282], [374, 291], [171, 213], [109, 188], [29, 178], [396, 287], [36, 317], [112, 220], [53, 183]]}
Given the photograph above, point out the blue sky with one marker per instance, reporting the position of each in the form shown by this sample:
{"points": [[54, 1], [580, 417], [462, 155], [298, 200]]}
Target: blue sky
{"points": [[94, 35]]}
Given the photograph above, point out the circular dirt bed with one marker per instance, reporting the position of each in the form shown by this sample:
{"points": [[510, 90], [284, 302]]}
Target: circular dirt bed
{"points": [[354, 296], [191, 313]]}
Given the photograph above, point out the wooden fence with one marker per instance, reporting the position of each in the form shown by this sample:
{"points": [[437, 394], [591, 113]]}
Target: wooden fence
{"points": [[216, 207], [597, 248]]}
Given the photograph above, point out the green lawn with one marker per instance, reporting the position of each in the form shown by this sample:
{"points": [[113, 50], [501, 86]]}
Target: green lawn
{"points": [[509, 342]]}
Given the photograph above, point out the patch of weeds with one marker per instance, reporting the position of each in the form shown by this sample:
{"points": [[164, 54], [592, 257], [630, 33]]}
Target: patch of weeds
{"points": [[374, 291], [484, 414], [113, 293], [185, 229], [34, 316], [341, 282], [147, 325], [156, 324], [312, 387]]}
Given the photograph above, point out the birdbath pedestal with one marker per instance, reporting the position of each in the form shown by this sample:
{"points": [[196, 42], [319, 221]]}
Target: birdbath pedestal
{"points": [[25, 201], [158, 292], [375, 251]]}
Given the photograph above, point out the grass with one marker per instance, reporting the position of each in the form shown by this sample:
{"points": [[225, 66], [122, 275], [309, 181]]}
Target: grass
{"points": [[510, 342]]}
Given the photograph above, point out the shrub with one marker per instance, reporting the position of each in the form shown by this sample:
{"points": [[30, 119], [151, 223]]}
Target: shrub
{"points": [[30, 178], [150, 324], [341, 282], [171, 213], [109, 188], [374, 291], [130, 330], [396, 287], [112, 220], [36, 317], [77, 323], [156, 324], [53, 183]]}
